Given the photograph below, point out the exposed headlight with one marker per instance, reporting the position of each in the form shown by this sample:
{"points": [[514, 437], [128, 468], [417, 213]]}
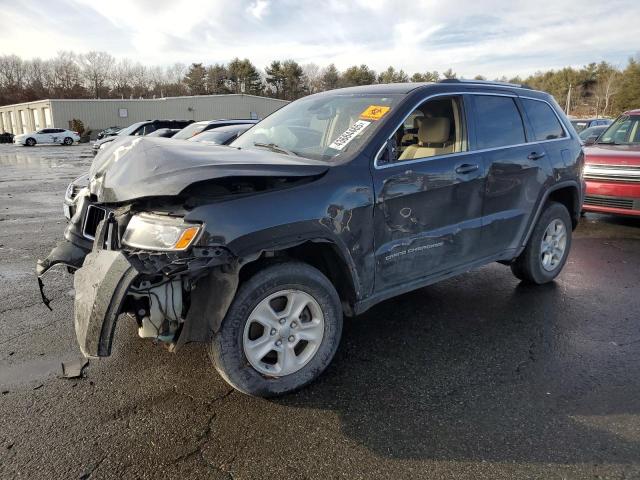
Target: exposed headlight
{"points": [[156, 232]]}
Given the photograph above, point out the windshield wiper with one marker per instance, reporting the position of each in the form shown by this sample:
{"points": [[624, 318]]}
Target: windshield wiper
{"points": [[607, 143], [275, 148]]}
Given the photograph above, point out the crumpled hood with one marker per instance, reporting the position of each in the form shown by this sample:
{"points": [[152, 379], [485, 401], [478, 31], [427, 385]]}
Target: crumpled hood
{"points": [[147, 167]]}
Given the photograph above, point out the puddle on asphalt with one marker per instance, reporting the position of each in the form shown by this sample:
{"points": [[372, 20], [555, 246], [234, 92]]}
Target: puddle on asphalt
{"points": [[44, 159], [30, 372]]}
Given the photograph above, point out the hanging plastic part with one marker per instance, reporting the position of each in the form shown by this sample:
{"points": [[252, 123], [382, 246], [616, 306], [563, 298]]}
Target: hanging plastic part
{"points": [[45, 300]]}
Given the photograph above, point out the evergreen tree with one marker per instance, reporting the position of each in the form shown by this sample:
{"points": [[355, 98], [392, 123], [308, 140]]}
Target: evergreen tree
{"points": [[330, 77], [390, 75], [358, 75], [217, 78], [244, 77], [196, 79]]}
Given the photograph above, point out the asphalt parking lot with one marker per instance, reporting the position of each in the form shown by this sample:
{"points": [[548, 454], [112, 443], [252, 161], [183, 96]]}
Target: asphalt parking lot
{"points": [[475, 377]]}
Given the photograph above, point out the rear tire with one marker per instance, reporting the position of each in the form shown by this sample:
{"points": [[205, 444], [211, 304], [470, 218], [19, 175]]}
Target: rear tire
{"points": [[245, 350], [30, 142], [68, 141], [548, 247]]}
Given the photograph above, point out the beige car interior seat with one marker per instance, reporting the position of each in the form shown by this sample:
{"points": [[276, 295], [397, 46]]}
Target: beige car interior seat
{"points": [[433, 139], [411, 135]]}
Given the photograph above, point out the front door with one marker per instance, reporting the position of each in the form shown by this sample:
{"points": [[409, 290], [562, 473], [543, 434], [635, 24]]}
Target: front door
{"points": [[428, 196], [43, 136]]}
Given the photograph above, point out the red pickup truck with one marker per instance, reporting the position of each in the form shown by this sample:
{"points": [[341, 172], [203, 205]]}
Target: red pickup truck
{"points": [[612, 168]]}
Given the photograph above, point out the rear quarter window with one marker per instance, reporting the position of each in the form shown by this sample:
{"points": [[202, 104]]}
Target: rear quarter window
{"points": [[498, 122], [544, 121]]}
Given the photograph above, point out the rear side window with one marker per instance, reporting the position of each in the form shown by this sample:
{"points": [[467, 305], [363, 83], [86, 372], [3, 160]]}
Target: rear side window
{"points": [[545, 123], [498, 122]]}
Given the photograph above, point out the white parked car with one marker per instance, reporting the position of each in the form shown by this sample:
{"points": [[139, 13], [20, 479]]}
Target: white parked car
{"points": [[58, 136]]}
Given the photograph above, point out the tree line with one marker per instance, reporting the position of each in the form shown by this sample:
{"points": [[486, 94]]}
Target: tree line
{"points": [[595, 89]]}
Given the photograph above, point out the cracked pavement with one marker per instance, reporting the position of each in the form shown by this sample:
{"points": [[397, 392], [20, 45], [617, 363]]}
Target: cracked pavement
{"points": [[476, 377]]}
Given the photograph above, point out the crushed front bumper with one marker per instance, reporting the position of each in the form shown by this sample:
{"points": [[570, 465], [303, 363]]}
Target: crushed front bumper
{"points": [[109, 282], [101, 287], [65, 253]]}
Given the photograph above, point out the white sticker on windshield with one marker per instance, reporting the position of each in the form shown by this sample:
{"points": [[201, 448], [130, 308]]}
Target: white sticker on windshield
{"points": [[350, 133]]}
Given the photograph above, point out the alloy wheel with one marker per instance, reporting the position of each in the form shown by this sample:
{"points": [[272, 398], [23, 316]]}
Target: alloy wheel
{"points": [[283, 333], [553, 245]]}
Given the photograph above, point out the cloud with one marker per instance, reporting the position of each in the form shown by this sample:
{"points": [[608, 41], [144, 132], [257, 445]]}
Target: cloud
{"points": [[259, 8], [491, 37]]}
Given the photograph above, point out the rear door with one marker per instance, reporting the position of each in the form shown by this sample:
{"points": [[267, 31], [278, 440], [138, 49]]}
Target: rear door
{"points": [[57, 135], [428, 205], [516, 171]]}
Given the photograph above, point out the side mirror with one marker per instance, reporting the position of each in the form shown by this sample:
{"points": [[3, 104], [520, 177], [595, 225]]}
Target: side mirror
{"points": [[591, 140]]}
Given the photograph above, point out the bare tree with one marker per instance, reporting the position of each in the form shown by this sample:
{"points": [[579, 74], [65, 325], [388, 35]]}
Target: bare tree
{"points": [[313, 77], [605, 88], [12, 72], [96, 69], [140, 80], [36, 78], [66, 76], [174, 76], [121, 78], [157, 80]]}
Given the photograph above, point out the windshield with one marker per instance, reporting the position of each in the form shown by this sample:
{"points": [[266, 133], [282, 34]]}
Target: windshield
{"points": [[212, 136], [624, 131], [321, 127], [190, 130], [130, 129], [591, 131]]}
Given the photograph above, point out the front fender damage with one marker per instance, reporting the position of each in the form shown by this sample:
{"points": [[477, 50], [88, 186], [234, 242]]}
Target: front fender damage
{"points": [[210, 301]]}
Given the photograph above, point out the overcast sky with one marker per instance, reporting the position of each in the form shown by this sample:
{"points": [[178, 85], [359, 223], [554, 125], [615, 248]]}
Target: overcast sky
{"points": [[491, 38]]}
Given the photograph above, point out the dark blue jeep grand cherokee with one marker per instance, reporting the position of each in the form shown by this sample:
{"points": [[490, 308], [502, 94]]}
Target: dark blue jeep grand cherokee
{"points": [[333, 203]]}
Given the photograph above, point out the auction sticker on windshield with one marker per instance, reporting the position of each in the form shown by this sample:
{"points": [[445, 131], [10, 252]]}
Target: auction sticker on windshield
{"points": [[349, 134], [374, 112]]}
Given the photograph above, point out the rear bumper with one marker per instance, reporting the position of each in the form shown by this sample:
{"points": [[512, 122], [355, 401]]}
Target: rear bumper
{"points": [[612, 197]]}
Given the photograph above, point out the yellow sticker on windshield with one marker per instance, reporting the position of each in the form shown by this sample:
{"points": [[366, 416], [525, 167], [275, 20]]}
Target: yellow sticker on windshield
{"points": [[374, 112]]}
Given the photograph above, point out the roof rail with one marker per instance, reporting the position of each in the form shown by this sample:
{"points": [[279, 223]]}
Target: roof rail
{"points": [[483, 82]]}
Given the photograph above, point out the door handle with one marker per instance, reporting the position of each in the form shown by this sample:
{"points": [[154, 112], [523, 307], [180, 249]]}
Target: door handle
{"points": [[467, 168], [536, 155]]}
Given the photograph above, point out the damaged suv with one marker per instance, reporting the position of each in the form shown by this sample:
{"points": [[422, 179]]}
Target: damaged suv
{"points": [[328, 206]]}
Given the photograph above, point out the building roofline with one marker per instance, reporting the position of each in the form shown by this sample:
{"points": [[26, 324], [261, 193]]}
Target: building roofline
{"points": [[161, 99], [140, 99], [25, 103]]}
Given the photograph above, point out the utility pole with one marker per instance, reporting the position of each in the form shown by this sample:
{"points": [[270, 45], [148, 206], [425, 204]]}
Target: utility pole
{"points": [[568, 105]]}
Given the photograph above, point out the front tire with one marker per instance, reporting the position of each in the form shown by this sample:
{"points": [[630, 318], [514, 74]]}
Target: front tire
{"points": [[30, 142], [280, 332], [548, 247]]}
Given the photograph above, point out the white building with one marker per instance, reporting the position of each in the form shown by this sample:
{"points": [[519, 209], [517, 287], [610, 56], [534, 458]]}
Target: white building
{"points": [[99, 114]]}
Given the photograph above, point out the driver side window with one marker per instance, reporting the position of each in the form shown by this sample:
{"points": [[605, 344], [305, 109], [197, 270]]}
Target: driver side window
{"points": [[435, 128]]}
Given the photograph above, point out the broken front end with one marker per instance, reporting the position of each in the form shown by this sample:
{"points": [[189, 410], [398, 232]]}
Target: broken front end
{"points": [[138, 240], [151, 267]]}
